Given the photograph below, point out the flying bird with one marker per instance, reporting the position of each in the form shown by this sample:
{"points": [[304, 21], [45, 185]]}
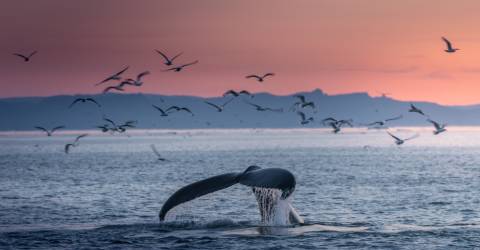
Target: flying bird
{"points": [[304, 119], [74, 143], [260, 108], [107, 89], [415, 109], [450, 48], [177, 109], [168, 61], [399, 141], [25, 58], [155, 151], [302, 103], [219, 108], [336, 124], [179, 68], [49, 132], [382, 123], [115, 76], [260, 78], [439, 128], [84, 100], [236, 94]]}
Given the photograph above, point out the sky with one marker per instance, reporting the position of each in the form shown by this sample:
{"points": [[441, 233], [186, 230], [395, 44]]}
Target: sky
{"points": [[339, 46]]}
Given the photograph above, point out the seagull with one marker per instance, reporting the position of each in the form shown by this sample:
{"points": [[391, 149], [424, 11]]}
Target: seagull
{"points": [[399, 141], [260, 78], [155, 151], [382, 123], [415, 109], [119, 88], [74, 143], [221, 107], [179, 68], [303, 117], [303, 102], [236, 94], [25, 58], [439, 128], [260, 108], [83, 100], [163, 113], [449, 49], [168, 61], [336, 124], [137, 82], [115, 76], [49, 133], [177, 109]]}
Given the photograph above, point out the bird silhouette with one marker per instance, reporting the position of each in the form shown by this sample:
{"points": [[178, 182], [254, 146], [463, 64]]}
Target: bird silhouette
{"points": [[115, 76], [450, 48], [168, 61], [415, 109], [155, 151], [219, 108], [439, 128], [49, 132], [260, 78], [304, 120], [84, 100], [400, 141], [25, 58]]}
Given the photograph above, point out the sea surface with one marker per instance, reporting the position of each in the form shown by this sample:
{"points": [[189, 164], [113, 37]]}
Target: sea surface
{"points": [[355, 190]]}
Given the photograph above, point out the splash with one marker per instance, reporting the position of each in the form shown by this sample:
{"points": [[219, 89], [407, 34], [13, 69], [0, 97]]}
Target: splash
{"points": [[274, 211]]}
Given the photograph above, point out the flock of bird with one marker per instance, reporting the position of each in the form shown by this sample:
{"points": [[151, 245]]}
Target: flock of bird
{"points": [[299, 107]]}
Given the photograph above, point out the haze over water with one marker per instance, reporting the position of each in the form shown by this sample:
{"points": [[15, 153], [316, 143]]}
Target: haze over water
{"points": [[355, 190]]}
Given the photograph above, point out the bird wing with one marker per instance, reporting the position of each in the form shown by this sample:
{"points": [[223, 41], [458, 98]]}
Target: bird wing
{"points": [[173, 108], [412, 137], [121, 71], [20, 55], [394, 118], [79, 137], [57, 128], [188, 64], [268, 74], [227, 102], [329, 119], [373, 123], [67, 147], [110, 121], [253, 104], [394, 137], [113, 87], [187, 110], [163, 55], [449, 45], [435, 124], [154, 149], [159, 109], [76, 100], [254, 76], [43, 129], [139, 76], [173, 58], [230, 92], [33, 53], [245, 92], [93, 100]]}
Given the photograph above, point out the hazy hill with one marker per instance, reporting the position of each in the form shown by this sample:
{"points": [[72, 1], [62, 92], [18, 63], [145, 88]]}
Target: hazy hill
{"points": [[24, 113]]}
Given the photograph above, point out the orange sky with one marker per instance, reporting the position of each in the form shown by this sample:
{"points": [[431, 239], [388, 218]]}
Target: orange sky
{"points": [[337, 46]]}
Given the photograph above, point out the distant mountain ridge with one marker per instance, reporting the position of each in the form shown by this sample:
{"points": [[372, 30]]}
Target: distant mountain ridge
{"points": [[23, 113]]}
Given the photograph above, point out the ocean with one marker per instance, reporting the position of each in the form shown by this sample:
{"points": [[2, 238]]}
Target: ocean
{"points": [[355, 189]]}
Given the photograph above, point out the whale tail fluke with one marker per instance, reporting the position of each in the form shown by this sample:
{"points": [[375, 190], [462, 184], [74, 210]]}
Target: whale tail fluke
{"points": [[198, 189]]}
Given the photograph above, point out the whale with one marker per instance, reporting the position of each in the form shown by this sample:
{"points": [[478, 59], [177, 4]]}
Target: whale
{"points": [[254, 177]]}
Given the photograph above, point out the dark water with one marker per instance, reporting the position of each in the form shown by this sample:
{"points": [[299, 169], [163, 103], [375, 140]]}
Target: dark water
{"points": [[355, 191]]}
